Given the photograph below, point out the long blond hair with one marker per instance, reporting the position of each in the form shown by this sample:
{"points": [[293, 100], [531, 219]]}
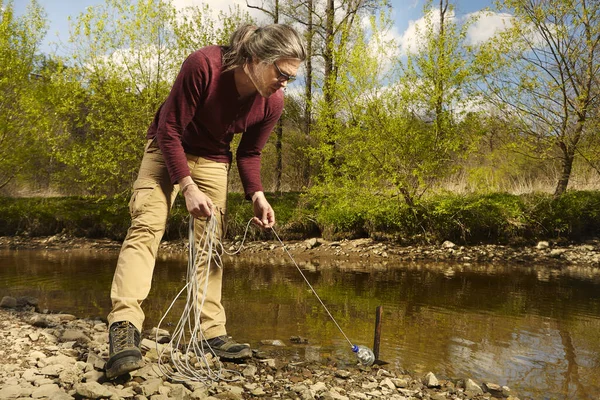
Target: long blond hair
{"points": [[266, 44]]}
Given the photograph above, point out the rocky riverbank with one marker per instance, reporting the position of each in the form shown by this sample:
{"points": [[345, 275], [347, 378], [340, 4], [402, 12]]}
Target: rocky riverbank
{"points": [[57, 356], [359, 251]]}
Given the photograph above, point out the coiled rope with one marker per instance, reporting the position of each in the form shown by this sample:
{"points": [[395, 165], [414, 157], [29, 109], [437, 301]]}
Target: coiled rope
{"points": [[187, 350]]}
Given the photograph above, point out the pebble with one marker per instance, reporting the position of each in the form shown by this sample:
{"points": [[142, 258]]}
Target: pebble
{"points": [[40, 369]]}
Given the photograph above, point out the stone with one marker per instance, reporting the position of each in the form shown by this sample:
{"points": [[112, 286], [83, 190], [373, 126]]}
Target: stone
{"points": [[258, 392], [199, 394], [64, 317], [557, 253], [249, 371], [39, 321], [93, 376], [179, 391], [400, 382], [49, 390], [318, 387], [95, 360], [273, 342], [52, 370], [160, 335], [472, 387], [298, 340], [92, 390], [340, 373], [448, 245], [493, 389], [311, 243], [11, 392], [431, 381], [8, 302], [151, 386], [270, 362], [387, 382], [70, 376], [74, 335], [542, 245], [27, 301]]}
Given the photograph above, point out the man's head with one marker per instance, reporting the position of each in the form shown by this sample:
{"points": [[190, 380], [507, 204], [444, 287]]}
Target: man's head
{"points": [[270, 55]]}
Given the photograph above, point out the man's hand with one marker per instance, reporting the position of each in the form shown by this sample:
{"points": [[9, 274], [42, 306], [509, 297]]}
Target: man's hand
{"points": [[264, 216], [198, 204]]}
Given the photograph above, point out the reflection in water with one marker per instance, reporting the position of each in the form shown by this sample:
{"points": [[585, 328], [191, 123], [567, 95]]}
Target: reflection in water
{"points": [[529, 327]]}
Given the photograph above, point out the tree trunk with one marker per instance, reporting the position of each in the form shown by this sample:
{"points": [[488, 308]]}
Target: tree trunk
{"points": [[329, 78], [278, 149], [279, 128], [439, 101], [567, 167], [308, 89]]}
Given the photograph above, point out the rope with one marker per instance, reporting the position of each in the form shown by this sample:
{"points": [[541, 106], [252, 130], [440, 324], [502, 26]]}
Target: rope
{"points": [[187, 349], [310, 286]]}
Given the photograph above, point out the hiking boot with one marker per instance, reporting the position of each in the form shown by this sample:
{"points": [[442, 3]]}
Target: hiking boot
{"points": [[227, 348], [124, 354]]}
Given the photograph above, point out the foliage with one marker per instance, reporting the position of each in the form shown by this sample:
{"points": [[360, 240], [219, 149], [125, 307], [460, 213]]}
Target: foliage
{"points": [[488, 217], [22, 139], [541, 71], [399, 139], [466, 219], [573, 216], [434, 97], [126, 55], [108, 217]]}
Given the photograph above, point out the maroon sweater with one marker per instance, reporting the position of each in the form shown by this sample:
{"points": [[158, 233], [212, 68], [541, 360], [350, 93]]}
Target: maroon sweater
{"points": [[202, 113]]}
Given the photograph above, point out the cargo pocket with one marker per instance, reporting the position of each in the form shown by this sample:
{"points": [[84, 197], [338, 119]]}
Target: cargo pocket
{"points": [[142, 191], [222, 215]]}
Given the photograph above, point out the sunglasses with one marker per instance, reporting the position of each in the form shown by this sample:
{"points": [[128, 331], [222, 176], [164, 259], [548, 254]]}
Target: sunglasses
{"points": [[284, 77]]}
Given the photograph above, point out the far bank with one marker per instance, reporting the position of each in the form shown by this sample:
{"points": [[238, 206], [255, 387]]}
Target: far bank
{"points": [[464, 219]]}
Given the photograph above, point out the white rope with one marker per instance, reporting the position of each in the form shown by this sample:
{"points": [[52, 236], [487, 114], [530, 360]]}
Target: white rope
{"points": [[187, 351]]}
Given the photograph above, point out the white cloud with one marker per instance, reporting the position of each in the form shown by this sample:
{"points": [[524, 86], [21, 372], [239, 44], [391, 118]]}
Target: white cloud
{"points": [[223, 5], [383, 44], [412, 38], [487, 24]]}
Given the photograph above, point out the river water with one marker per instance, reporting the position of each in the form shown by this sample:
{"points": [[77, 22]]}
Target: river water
{"points": [[532, 328]]}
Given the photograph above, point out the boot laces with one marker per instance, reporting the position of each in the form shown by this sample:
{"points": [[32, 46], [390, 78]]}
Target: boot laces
{"points": [[124, 335]]}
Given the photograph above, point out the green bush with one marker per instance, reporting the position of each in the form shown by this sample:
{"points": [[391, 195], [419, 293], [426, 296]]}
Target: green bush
{"points": [[78, 216], [472, 218], [573, 216], [497, 217]]}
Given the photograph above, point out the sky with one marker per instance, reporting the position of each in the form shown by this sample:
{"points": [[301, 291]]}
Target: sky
{"points": [[406, 15]]}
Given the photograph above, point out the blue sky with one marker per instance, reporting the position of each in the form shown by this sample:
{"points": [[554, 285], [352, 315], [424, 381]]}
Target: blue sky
{"points": [[404, 11]]}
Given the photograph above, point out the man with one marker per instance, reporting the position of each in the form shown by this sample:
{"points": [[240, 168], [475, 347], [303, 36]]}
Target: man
{"points": [[218, 92]]}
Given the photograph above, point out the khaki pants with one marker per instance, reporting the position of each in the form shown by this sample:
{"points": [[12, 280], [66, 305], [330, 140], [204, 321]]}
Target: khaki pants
{"points": [[152, 199]]}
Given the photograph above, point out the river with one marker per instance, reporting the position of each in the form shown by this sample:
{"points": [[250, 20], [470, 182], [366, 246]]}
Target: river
{"points": [[533, 328]]}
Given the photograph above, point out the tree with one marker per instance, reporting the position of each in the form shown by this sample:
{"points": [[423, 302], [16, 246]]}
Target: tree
{"points": [[336, 34], [128, 54], [21, 139], [542, 72], [365, 120], [434, 97], [273, 12]]}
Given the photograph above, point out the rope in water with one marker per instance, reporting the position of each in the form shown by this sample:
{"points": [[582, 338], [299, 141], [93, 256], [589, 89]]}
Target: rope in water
{"points": [[310, 286]]}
